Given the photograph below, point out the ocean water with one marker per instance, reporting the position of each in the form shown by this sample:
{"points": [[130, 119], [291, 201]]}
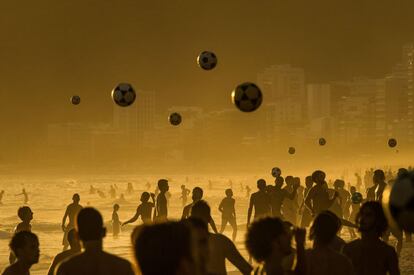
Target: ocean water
{"points": [[49, 196]]}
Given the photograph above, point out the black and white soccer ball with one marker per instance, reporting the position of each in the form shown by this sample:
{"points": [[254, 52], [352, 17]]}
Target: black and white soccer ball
{"points": [[392, 142], [175, 119], [207, 60], [75, 100], [123, 94], [322, 141], [292, 150], [276, 172], [398, 202], [247, 97]]}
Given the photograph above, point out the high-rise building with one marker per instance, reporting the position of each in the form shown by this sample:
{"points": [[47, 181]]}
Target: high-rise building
{"points": [[319, 100]]}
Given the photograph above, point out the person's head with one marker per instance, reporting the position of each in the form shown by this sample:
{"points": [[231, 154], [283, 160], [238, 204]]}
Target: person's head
{"points": [[401, 172], [73, 239], [2, 191], [267, 238], [25, 213], [318, 177], [324, 228], [279, 181], [308, 181], [296, 182], [201, 210], [378, 176], [197, 194], [76, 198], [166, 248], [182, 187], [89, 225], [229, 193], [352, 189], [116, 207], [261, 184], [339, 184], [371, 218], [289, 180], [163, 185], [25, 246], [145, 197]]}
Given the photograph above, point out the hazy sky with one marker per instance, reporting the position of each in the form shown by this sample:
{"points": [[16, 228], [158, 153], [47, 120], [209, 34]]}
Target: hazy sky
{"points": [[52, 49]]}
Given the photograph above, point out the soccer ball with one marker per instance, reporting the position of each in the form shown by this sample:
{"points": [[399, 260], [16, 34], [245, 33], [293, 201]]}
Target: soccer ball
{"points": [[292, 150], [175, 119], [398, 202], [392, 142], [276, 172], [247, 97], [123, 94], [75, 100], [322, 141], [207, 60], [356, 198]]}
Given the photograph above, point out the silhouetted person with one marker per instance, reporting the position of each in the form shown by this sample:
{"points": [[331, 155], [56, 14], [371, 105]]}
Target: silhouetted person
{"points": [[101, 194], [184, 194], [196, 196], [1, 196], [25, 196], [375, 192], [161, 207], [228, 213], [116, 223], [93, 260], [130, 188], [268, 242], [278, 194], [75, 248], [322, 259], [25, 214], [220, 247], [358, 181], [71, 211], [318, 199], [306, 214], [144, 209], [112, 192], [290, 207], [248, 191], [167, 248], [260, 201], [25, 245], [92, 190], [370, 255]]}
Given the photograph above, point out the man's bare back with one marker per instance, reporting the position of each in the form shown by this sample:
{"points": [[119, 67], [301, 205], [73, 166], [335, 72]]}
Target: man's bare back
{"points": [[95, 262]]}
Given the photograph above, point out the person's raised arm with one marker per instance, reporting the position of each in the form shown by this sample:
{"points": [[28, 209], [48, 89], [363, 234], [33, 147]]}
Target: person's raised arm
{"points": [[249, 211], [234, 256]]}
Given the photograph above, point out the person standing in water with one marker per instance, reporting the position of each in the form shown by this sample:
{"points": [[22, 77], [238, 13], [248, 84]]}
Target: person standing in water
{"points": [[184, 194], [25, 214], [1, 196], [71, 211], [144, 209], [228, 213], [115, 221], [260, 201], [161, 207]]}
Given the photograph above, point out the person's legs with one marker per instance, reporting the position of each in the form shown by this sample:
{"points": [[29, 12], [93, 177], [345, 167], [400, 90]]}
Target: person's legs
{"points": [[223, 224], [233, 224]]}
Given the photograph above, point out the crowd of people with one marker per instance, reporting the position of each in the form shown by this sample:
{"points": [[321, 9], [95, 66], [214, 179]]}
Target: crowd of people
{"points": [[277, 214]]}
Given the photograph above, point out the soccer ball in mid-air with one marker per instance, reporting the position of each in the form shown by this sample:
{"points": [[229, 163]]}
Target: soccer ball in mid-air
{"points": [[75, 100], [175, 119], [207, 60], [123, 94], [292, 150], [322, 141], [276, 172], [398, 202], [356, 198], [247, 97], [392, 142]]}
